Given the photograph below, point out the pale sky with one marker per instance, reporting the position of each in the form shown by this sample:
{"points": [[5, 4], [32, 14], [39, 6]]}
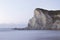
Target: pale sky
{"points": [[20, 11]]}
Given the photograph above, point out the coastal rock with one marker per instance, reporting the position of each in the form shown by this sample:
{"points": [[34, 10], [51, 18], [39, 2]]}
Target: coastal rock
{"points": [[44, 19]]}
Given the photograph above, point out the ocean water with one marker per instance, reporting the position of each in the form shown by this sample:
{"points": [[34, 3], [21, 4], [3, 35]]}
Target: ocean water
{"points": [[30, 35]]}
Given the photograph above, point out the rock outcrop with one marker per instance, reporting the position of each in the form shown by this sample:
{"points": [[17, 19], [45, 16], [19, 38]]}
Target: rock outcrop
{"points": [[44, 19]]}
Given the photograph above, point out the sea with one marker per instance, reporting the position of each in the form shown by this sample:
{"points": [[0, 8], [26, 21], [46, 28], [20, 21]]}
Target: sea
{"points": [[9, 34]]}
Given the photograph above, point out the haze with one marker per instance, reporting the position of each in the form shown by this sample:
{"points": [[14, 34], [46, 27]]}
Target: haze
{"points": [[20, 11]]}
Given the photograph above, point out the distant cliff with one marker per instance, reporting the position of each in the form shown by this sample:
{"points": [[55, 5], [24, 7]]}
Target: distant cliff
{"points": [[44, 20]]}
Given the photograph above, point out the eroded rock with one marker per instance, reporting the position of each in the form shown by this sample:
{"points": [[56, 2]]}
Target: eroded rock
{"points": [[40, 20], [45, 19]]}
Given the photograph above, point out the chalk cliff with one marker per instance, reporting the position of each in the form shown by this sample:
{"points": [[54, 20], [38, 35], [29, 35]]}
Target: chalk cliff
{"points": [[44, 20]]}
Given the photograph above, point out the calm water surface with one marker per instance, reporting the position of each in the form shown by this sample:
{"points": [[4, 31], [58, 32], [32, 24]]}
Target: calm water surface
{"points": [[30, 35]]}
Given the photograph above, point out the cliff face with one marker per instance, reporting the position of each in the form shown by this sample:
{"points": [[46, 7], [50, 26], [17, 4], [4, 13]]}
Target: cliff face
{"points": [[44, 19]]}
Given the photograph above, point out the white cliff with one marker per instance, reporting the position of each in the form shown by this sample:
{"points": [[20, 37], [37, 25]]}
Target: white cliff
{"points": [[44, 19]]}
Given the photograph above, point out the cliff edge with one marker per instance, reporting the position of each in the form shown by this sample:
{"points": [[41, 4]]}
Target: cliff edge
{"points": [[44, 20]]}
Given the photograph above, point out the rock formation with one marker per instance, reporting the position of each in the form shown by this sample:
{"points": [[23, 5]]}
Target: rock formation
{"points": [[44, 19]]}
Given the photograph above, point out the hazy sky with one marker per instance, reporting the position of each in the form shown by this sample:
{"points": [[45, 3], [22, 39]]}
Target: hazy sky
{"points": [[20, 11]]}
